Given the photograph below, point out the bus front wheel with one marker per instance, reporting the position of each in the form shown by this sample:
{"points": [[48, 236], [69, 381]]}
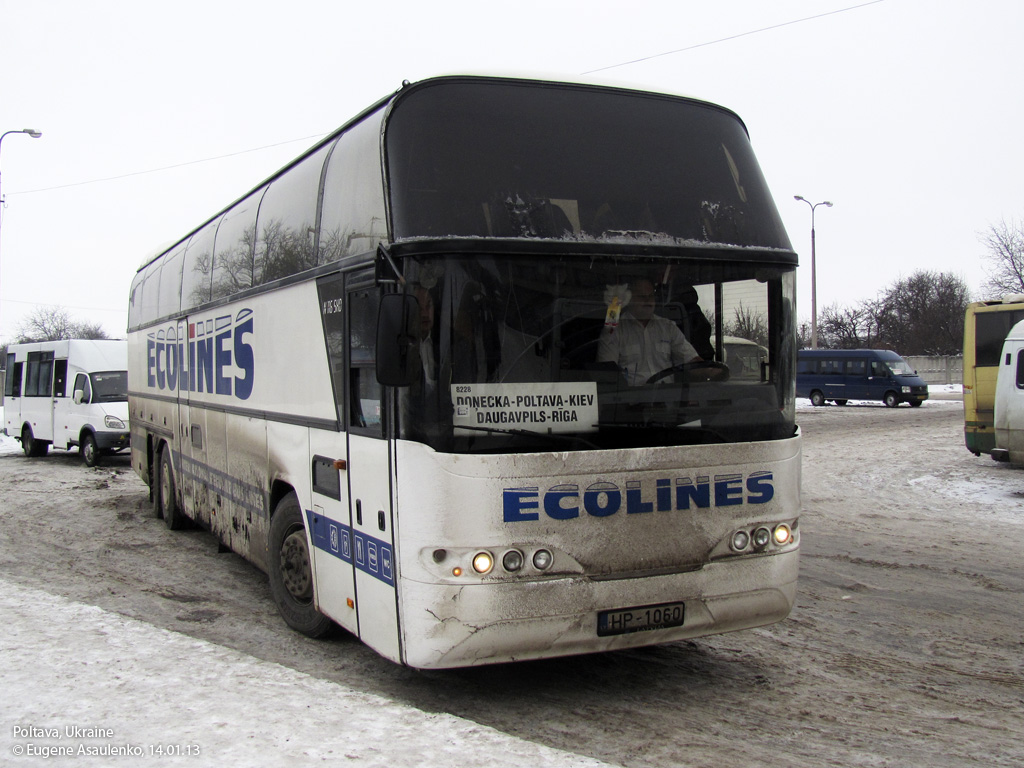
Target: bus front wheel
{"points": [[291, 573], [891, 399], [90, 451], [817, 398]]}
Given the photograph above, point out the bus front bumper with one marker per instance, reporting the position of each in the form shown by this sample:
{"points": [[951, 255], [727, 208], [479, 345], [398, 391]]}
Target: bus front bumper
{"points": [[448, 626]]}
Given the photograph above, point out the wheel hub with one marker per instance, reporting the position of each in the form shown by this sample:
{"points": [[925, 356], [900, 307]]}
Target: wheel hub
{"points": [[295, 568]]}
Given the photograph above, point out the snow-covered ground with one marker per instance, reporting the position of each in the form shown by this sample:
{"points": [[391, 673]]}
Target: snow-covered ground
{"points": [[155, 697]]}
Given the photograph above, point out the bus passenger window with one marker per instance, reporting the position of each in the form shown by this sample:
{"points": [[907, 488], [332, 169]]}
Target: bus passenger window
{"points": [[365, 400]]}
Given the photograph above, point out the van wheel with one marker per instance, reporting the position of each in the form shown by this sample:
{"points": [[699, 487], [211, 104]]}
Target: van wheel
{"points": [[817, 398], [915, 403], [291, 572], [90, 451], [167, 496], [33, 448], [891, 399], [840, 402]]}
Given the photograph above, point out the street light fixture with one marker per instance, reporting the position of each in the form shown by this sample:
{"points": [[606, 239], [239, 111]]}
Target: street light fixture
{"points": [[814, 276], [29, 131]]}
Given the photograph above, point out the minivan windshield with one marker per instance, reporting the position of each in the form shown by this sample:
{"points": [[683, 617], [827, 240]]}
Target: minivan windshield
{"points": [[110, 387], [518, 353]]}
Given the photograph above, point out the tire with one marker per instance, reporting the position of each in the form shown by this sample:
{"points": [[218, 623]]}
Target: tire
{"points": [[90, 451], [840, 402], [817, 398], [915, 403], [167, 494], [33, 448], [290, 569], [891, 399]]}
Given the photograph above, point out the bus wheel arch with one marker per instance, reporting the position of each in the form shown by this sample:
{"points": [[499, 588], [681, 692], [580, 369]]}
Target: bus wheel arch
{"points": [[289, 566], [33, 448], [891, 399], [817, 398]]}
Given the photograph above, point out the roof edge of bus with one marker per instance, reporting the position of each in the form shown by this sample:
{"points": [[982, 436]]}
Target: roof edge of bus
{"points": [[585, 80]]}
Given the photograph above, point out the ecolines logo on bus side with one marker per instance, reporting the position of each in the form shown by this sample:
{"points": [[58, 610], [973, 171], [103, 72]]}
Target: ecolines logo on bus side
{"points": [[215, 358], [566, 501]]}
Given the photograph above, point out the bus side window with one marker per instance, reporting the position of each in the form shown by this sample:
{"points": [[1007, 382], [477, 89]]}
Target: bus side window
{"points": [[60, 378], [13, 383], [1020, 369], [365, 404]]}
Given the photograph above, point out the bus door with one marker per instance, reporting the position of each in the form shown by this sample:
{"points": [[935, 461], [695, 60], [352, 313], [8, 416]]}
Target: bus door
{"points": [[369, 481], [329, 519], [66, 418], [37, 408]]}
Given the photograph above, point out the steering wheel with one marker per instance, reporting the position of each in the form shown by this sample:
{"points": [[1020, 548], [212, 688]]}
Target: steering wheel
{"points": [[721, 371]]}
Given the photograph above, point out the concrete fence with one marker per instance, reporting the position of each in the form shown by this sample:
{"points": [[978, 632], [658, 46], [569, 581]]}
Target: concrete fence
{"points": [[945, 369]]}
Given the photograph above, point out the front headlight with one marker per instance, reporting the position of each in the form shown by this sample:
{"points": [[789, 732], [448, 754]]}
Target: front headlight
{"points": [[112, 422]]}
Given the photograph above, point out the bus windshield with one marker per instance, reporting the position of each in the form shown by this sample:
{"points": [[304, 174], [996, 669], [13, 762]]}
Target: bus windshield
{"points": [[514, 160], [523, 353]]}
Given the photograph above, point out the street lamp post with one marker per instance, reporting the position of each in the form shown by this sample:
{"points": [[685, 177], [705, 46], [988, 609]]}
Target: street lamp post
{"points": [[31, 132], [814, 276]]}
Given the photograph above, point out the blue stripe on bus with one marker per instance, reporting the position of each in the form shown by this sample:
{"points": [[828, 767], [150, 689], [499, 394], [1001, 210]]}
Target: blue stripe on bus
{"points": [[371, 556]]}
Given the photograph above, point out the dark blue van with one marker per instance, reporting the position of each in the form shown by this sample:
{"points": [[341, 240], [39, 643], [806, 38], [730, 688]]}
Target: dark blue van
{"points": [[841, 375]]}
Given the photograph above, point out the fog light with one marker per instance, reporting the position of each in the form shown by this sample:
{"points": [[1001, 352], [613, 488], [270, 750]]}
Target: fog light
{"points": [[542, 559], [761, 538], [782, 534], [740, 540], [512, 561], [483, 562]]}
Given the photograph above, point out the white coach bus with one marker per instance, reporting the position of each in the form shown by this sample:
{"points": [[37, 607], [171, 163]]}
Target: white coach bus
{"points": [[382, 376]]}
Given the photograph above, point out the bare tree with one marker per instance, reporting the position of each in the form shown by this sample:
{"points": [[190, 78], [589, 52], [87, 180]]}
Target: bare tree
{"points": [[53, 324], [1005, 245], [923, 314], [919, 315], [848, 327]]}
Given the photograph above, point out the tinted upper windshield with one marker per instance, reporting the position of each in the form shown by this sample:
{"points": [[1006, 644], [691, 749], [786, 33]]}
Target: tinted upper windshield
{"points": [[110, 387], [529, 353], [514, 159]]}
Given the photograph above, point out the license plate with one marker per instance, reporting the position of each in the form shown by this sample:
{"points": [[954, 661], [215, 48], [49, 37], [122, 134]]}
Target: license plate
{"points": [[640, 619]]}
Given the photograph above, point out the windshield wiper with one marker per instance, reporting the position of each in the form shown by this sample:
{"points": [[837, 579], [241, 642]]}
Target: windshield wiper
{"points": [[554, 437]]}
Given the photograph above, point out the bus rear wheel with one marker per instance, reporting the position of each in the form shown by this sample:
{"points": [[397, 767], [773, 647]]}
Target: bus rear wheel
{"points": [[291, 574], [33, 448], [167, 495], [817, 398]]}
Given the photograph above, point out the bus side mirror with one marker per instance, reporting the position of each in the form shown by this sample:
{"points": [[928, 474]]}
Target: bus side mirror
{"points": [[79, 396], [396, 336]]}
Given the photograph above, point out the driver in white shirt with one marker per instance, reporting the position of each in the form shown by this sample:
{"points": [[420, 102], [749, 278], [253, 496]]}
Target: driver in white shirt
{"points": [[643, 343]]}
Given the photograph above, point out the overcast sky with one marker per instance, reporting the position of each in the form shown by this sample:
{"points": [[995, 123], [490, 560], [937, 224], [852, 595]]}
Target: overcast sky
{"points": [[905, 114]]}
